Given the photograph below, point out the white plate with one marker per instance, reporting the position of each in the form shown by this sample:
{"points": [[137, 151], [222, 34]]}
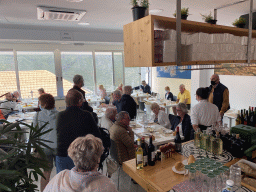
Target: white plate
{"points": [[185, 162]]}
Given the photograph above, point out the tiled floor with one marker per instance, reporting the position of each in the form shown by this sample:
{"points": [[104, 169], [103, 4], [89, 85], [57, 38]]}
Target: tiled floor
{"points": [[125, 183]]}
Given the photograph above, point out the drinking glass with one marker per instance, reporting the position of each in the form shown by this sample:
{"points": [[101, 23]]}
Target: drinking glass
{"points": [[198, 176], [205, 184], [192, 177], [235, 175], [212, 182]]}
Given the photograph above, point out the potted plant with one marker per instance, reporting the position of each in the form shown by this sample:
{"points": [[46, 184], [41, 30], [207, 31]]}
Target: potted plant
{"points": [[209, 18], [19, 167], [240, 23], [184, 13], [139, 8]]}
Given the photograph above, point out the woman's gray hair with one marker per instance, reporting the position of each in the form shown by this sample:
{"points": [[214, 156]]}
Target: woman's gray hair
{"points": [[77, 79], [121, 115], [154, 106], [183, 107], [86, 152]]}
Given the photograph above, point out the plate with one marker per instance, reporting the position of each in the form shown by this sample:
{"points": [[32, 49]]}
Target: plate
{"points": [[185, 162]]}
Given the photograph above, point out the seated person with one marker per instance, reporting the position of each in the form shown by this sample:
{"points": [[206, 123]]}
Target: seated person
{"points": [[116, 100], [109, 118], [8, 105], [123, 136], [127, 103], [168, 94], [41, 91], [85, 153], [16, 96], [102, 92], [120, 87], [144, 87], [183, 97], [160, 116], [48, 115], [183, 122]]}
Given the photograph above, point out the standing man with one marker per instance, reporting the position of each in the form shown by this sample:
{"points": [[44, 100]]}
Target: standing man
{"points": [[219, 94], [78, 84], [72, 123], [144, 87]]}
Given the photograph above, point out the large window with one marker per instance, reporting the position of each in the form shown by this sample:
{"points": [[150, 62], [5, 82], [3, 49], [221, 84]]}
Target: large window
{"points": [[8, 81], [132, 76], [104, 70], [77, 63], [36, 70], [118, 68]]}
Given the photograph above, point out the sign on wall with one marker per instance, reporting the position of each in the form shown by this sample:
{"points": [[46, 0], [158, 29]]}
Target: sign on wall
{"points": [[174, 72]]}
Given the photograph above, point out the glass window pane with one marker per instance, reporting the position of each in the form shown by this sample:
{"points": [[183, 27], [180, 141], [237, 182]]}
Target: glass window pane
{"points": [[7, 73], [104, 70], [118, 67], [36, 70], [144, 74], [132, 76], [77, 63]]}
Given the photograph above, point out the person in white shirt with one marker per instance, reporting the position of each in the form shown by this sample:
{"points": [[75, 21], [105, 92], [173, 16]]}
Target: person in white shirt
{"points": [[183, 121], [204, 114], [160, 116], [8, 105], [109, 118]]}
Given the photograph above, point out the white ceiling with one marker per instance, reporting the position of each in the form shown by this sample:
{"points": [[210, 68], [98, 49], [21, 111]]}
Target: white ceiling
{"points": [[111, 14]]}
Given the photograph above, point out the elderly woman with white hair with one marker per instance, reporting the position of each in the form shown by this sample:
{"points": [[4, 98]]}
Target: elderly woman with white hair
{"points": [[183, 121], [109, 118], [160, 116], [85, 153]]}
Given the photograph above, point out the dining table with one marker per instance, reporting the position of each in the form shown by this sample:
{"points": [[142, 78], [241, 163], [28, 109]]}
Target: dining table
{"points": [[27, 105], [94, 99], [162, 178]]}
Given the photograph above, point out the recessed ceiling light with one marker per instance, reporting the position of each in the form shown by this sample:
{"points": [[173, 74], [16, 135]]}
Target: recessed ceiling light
{"points": [[74, 1], [156, 11], [84, 23]]}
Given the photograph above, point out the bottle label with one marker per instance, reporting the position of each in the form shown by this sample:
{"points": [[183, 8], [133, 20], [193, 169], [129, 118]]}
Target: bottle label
{"points": [[139, 158], [153, 156], [145, 160]]}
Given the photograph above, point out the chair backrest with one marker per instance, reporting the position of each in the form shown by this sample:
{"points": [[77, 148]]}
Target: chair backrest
{"points": [[153, 94], [174, 98], [113, 151], [172, 119]]}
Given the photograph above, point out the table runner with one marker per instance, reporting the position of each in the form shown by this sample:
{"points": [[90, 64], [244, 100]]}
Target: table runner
{"points": [[190, 149]]}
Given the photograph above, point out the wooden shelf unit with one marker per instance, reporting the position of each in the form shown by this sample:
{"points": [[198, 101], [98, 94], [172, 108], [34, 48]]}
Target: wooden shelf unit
{"points": [[139, 39]]}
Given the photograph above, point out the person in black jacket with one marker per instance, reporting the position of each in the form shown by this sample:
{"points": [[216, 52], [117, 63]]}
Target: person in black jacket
{"points": [[78, 84], [72, 123], [184, 122], [127, 102], [144, 87], [168, 94]]}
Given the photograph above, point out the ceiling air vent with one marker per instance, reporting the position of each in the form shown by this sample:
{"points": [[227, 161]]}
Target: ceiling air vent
{"points": [[60, 14]]}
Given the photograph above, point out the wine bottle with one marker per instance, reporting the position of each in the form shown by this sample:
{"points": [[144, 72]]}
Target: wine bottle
{"points": [[203, 140], [139, 155], [238, 119], [178, 141], [145, 153], [237, 147], [242, 117], [217, 145], [251, 119], [246, 118], [151, 153]]}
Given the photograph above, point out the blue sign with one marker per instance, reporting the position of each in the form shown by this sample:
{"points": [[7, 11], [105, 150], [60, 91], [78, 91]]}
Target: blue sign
{"points": [[174, 72]]}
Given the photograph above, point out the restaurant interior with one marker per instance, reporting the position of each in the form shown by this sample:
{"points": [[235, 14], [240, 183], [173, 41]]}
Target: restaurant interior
{"points": [[44, 44]]}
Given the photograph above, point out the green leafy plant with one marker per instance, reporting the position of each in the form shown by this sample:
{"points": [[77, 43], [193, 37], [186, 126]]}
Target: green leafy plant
{"points": [[19, 167], [183, 11], [140, 3], [207, 18], [239, 21]]}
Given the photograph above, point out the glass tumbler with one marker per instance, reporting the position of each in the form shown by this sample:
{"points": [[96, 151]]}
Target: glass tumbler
{"points": [[192, 177], [212, 182], [205, 184], [199, 176], [235, 175], [218, 180]]}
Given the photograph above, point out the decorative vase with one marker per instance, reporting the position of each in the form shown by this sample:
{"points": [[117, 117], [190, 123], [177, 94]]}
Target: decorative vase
{"points": [[241, 25], [211, 21], [138, 12]]}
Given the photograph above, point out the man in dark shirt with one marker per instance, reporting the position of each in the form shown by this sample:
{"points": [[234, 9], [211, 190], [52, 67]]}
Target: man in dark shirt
{"points": [[127, 102], [72, 123], [144, 87], [78, 84]]}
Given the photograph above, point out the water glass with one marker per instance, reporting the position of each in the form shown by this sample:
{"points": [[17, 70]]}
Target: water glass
{"points": [[205, 184], [218, 180], [235, 175], [212, 182], [192, 177]]}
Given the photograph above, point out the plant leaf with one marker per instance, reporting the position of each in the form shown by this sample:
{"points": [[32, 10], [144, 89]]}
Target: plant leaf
{"points": [[4, 187]]}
